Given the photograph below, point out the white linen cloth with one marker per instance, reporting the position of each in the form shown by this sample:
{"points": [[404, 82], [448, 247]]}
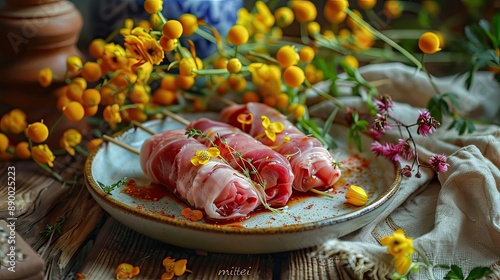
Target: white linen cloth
{"points": [[454, 217]]}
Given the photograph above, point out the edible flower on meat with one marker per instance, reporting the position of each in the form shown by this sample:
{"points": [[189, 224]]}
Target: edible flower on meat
{"points": [[203, 156], [271, 128]]}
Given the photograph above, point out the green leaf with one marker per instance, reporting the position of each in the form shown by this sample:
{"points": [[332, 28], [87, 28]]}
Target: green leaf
{"points": [[454, 273], [496, 29], [109, 188], [434, 107], [478, 272], [453, 97], [472, 38]]}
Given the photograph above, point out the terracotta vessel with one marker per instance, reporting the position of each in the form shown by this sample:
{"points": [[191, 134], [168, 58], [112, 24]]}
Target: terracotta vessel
{"points": [[35, 34]]}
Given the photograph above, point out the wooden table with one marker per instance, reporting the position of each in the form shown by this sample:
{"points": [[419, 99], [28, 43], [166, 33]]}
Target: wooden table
{"points": [[73, 234]]}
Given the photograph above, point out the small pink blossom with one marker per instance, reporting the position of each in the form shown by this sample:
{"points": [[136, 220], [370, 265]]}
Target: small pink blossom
{"points": [[384, 104], [404, 149], [381, 124], [406, 171], [426, 123], [438, 162], [387, 150]]}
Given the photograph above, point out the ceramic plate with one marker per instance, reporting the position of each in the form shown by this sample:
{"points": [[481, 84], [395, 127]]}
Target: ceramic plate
{"points": [[308, 220]]}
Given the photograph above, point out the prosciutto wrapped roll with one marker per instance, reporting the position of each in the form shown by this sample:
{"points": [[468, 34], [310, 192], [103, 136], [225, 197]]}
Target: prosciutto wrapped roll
{"points": [[273, 171], [312, 164], [214, 187]]}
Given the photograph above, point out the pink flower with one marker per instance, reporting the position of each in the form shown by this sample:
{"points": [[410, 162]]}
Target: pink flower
{"points": [[404, 149], [406, 171], [426, 123], [438, 162], [387, 150], [384, 103], [381, 124]]}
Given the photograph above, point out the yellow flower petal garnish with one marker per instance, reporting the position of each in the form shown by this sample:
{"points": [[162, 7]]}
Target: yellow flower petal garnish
{"points": [[356, 196], [70, 139], [203, 156], [271, 128], [126, 271], [244, 119], [398, 244], [173, 267], [43, 154]]}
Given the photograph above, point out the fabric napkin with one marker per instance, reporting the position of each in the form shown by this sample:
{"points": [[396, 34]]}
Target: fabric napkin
{"points": [[453, 217]]}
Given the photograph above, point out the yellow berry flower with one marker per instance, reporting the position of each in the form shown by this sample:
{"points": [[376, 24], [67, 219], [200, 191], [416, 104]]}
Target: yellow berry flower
{"points": [[153, 6], [186, 66], [167, 44], [293, 76], [250, 96], [402, 264], [351, 61], [22, 150], [203, 156], [313, 28], [74, 64], [305, 11], [172, 29], [14, 121], [431, 6], [70, 139], [43, 154], [393, 9], [168, 82], [74, 111], [112, 115], [429, 43], [306, 54], [45, 77], [173, 267], [237, 83], [96, 48], [356, 196], [164, 97], [189, 24], [296, 110], [184, 82], [237, 35], [4, 142], [234, 65], [138, 95], [283, 16], [126, 271], [91, 97], [80, 82], [287, 56], [271, 128], [367, 4], [334, 10], [91, 71], [94, 143], [398, 244], [37, 132]]}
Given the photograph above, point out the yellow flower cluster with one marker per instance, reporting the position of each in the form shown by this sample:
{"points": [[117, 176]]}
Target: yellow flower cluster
{"points": [[154, 70], [401, 247]]}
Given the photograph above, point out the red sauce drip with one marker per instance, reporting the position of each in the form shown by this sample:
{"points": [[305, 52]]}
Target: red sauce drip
{"points": [[151, 192]]}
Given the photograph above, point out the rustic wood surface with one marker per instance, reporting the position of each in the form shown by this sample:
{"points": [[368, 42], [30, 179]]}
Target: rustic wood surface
{"points": [[84, 239]]}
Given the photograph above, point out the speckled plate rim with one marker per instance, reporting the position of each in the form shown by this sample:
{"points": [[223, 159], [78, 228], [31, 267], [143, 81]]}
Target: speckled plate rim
{"points": [[93, 187]]}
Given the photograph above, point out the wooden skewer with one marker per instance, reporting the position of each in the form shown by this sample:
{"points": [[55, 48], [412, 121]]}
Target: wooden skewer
{"points": [[176, 117], [139, 125], [225, 100], [123, 145]]}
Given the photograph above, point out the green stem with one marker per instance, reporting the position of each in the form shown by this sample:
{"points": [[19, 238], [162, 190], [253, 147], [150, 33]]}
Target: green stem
{"points": [[384, 38], [58, 121], [431, 80], [162, 18], [321, 193]]}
